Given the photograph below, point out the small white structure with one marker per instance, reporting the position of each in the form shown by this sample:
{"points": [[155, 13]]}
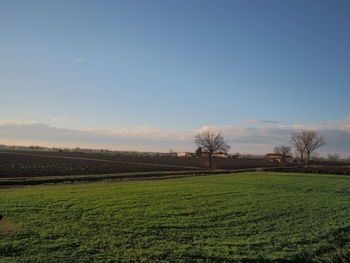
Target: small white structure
{"points": [[185, 154], [215, 155], [278, 158]]}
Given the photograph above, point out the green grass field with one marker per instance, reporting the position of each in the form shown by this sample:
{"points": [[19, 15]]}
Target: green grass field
{"points": [[246, 217]]}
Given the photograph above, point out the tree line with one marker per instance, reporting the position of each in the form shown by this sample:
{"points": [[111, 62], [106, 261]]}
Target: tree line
{"points": [[305, 143]]}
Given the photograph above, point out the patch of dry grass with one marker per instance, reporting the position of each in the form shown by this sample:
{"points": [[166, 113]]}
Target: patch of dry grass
{"points": [[7, 228]]}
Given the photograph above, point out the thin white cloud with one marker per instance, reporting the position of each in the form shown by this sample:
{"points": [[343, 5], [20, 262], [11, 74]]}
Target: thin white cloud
{"points": [[64, 119], [78, 60], [264, 121]]}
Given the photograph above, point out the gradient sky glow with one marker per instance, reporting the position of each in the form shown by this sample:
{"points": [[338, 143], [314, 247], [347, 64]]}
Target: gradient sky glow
{"points": [[172, 68]]}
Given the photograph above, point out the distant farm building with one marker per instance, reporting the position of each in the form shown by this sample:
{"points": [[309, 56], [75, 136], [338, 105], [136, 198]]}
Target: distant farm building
{"points": [[206, 155], [216, 155], [185, 154], [278, 158]]}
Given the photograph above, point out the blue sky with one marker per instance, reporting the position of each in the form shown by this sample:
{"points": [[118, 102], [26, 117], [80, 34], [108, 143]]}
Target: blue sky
{"points": [[174, 67]]}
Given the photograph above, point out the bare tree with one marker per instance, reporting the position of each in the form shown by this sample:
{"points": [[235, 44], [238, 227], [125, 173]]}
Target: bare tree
{"points": [[211, 143], [312, 141], [333, 157], [296, 141], [284, 151], [305, 142]]}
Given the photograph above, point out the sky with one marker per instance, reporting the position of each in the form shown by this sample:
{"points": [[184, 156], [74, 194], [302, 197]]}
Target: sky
{"points": [[149, 75]]}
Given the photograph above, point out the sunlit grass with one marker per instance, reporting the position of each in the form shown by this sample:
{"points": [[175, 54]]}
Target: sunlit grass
{"points": [[249, 217]]}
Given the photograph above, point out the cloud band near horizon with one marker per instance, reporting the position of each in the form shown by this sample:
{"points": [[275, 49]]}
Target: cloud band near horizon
{"points": [[254, 140]]}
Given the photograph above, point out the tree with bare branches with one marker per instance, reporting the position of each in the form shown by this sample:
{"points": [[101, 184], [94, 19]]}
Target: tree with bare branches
{"points": [[283, 151], [335, 157], [296, 141], [305, 142], [211, 143]]}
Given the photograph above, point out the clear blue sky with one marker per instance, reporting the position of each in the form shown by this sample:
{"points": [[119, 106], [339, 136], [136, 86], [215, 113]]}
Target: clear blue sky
{"points": [[176, 65]]}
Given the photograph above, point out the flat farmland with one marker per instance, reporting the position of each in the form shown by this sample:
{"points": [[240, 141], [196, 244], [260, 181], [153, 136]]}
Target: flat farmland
{"points": [[35, 164], [247, 217]]}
